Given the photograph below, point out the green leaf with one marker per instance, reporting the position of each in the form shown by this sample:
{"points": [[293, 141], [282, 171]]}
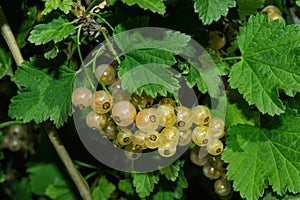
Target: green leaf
{"points": [[234, 116], [258, 157], [5, 63], [63, 5], [270, 62], [41, 175], [60, 191], [126, 186], [144, 183], [51, 52], [26, 26], [156, 6], [180, 185], [249, 7], [298, 3], [157, 77], [103, 190], [43, 95], [56, 30], [212, 10], [131, 23], [21, 190], [171, 172], [165, 195], [273, 196]]}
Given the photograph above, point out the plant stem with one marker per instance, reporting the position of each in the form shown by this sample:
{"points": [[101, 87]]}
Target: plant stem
{"points": [[104, 20], [233, 58], [52, 134], [65, 157], [5, 124], [177, 101], [110, 45], [10, 39]]}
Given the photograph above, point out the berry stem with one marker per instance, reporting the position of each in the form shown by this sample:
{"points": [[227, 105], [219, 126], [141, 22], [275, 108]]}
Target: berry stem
{"points": [[104, 20], [65, 157], [5, 124], [177, 101], [81, 59], [110, 45]]}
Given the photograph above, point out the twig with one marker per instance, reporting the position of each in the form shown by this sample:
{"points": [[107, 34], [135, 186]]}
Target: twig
{"points": [[10, 39], [63, 154], [52, 134]]}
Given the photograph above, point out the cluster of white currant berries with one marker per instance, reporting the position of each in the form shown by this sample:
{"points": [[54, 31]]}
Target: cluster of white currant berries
{"points": [[15, 137], [136, 123], [213, 168]]}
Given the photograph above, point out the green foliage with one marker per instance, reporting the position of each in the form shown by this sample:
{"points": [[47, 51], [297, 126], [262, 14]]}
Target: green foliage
{"points": [[248, 7], [5, 62], [103, 189], [126, 186], [212, 10], [56, 31], [44, 96], [270, 61], [22, 190], [60, 191], [63, 5], [144, 183], [171, 172], [265, 156], [156, 6], [273, 196], [42, 175]]}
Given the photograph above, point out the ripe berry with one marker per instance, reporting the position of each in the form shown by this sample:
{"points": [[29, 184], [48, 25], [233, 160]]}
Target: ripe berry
{"points": [[170, 134], [184, 117], [96, 121], [132, 153], [197, 158], [217, 125], [215, 147], [81, 97], [147, 119], [201, 135], [123, 113], [167, 149], [153, 140], [166, 115], [211, 171], [124, 137], [201, 115], [106, 73], [185, 137], [101, 102], [222, 187]]}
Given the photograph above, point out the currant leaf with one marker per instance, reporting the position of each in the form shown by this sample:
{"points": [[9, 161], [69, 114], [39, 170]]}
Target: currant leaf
{"points": [[212, 10], [258, 157], [270, 62], [43, 96], [248, 7], [103, 190], [56, 30], [156, 6], [60, 191], [126, 186], [171, 172], [144, 183], [63, 5], [5, 62]]}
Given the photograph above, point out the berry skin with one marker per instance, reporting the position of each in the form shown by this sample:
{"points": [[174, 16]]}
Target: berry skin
{"points": [[153, 140], [201, 135], [184, 117], [217, 125], [106, 73], [210, 171], [15, 144], [170, 134], [201, 115], [96, 121], [139, 139], [167, 149], [271, 10], [132, 153], [124, 137], [166, 115], [111, 130], [17, 130], [185, 137], [123, 113], [167, 101], [273, 17], [222, 187], [144, 101], [81, 97], [101, 102], [147, 119], [215, 147], [217, 40]]}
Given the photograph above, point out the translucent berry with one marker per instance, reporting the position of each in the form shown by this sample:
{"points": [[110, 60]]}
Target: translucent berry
{"points": [[201, 115], [167, 101], [215, 147], [217, 125], [144, 101], [106, 73], [81, 97], [101, 102], [111, 130], [222, 187], [170, 134], [184, 117], [147, 119], [197, 158], [210, 171], [96, 121], [167, 149], [139, 139], [201, 135], [132, 152], [17, 130], [185, 137], [118, 93], [15, 144], [166, 115], [123, 113], [153, 140], [124, 137]]}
